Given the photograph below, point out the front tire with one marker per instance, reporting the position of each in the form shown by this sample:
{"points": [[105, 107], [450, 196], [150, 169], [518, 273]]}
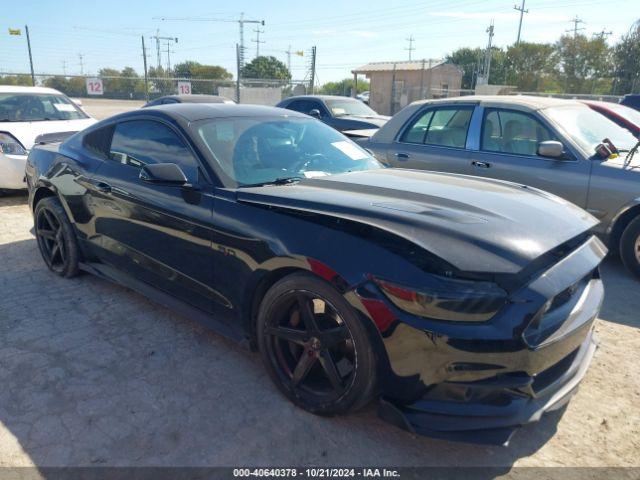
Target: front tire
{"points": [[314, 346], [56, 239]]}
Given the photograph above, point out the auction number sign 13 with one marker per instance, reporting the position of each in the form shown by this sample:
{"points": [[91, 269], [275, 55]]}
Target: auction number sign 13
{"points": [[94, 86], [184, 88]]}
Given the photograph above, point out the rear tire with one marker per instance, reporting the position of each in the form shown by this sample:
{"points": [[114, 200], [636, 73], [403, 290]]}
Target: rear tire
{"points": [[56, 239], [630, 247], [314, 346]]}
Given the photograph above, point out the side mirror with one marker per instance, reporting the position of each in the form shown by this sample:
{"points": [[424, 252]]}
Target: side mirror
{"points": [[314, 112], [163, 173], [550, 148]]}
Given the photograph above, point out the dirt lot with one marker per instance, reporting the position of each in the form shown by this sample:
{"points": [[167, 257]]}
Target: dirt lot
{"points": [[93, 374]]}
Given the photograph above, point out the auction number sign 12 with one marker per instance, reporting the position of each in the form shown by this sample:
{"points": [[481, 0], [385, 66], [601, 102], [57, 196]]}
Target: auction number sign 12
{"points": [[94, 86], [184, 88]]}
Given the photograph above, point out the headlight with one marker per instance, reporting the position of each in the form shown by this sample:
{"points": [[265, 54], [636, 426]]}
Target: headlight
{"points": [[447, 299], [10, 146]]}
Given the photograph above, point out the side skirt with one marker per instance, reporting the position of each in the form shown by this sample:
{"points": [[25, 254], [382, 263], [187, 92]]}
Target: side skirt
{"points": [[192, 313]]}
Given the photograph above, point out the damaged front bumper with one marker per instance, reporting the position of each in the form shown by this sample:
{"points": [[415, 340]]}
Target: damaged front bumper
{"points": [[490, 423], [480, 382]]}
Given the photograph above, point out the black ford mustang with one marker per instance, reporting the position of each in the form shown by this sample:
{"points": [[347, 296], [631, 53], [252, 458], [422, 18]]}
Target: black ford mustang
{"points": [[464, 305]]}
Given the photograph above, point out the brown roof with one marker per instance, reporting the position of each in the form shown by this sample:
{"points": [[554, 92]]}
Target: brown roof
{"points": [[399, 66]]}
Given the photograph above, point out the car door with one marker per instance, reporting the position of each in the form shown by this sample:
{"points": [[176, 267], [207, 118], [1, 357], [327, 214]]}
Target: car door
{"points": [[434, 139], [507, 149], [158, 234]]}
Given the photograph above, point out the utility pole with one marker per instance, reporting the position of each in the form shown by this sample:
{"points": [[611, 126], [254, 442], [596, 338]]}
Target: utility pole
{"points": [[411, 47], [576, 21], [238, 68], [33, 76], [81, 58], [488, 55], [159, 41], [313, 70], [288, 52], [64, 67], [241, 21], [422, 80], [146, 78], [522, 12], [257, 40]]}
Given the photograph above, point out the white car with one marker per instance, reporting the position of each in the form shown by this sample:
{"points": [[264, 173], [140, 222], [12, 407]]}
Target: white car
{"points": [[29, 115], [363, 97]]}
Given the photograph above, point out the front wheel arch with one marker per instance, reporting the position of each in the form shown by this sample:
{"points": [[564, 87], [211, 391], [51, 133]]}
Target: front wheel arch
{"points": [[40, 193]]}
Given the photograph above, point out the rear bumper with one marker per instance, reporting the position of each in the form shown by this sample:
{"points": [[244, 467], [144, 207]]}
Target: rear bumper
{"points": [[491, 423]]}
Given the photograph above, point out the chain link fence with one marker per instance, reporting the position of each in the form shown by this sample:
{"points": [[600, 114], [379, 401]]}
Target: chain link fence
{"points": [[257, 91]]}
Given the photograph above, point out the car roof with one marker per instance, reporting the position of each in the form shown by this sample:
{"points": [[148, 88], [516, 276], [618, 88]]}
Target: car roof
{"points": [[195, 98], [20, 89], [524, 102], [321, 97], [199, 111]]}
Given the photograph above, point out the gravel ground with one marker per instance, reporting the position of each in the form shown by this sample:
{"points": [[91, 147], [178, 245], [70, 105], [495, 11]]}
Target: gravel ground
{"points": [[93, 374], [101, 108]]}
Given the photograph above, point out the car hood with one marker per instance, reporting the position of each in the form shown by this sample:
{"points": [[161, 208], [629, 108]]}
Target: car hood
{"points": [[374, 120], [475, 224], [27, 132]]}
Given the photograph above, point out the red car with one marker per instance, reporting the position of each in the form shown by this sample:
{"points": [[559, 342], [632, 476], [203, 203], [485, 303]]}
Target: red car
{"points": [[624, 116]]}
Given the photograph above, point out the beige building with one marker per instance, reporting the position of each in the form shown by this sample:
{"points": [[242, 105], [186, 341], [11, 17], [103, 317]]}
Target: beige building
{"points": [[396, 84]]}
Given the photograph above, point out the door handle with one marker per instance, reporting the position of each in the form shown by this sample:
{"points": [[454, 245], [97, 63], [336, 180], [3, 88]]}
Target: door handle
{"points": [[481, 164], [402, 156]]}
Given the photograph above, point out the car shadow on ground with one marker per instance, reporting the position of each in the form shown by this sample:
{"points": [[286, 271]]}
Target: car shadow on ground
{"points": [[620, 305], [96, 375]]}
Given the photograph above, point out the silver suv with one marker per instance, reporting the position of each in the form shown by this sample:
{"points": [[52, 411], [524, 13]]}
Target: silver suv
{"points": [[560, 146]]}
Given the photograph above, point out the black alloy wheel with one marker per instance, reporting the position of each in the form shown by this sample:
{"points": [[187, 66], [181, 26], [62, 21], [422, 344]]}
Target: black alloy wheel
{"points": [[56, 240], [314, 347]]}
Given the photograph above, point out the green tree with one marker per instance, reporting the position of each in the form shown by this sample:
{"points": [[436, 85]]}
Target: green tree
{"points": [[158, 85], [21, 80], [201, 76], [266, 68], [530, 66], [70, 86], [626, 58], [468, 59], [583, 62], [343, 87]]}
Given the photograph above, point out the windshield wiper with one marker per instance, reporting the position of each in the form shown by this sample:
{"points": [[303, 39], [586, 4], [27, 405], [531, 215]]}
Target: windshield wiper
{"points": [[630, 154], [277, 181]]}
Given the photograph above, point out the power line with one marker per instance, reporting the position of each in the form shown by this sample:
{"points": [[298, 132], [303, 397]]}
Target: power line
{"points": [[411, 47], [522, 12]]}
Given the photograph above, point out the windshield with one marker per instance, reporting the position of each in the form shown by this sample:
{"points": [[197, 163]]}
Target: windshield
{"points": [[588, 128], [349, 107], [252, 150], [37, 107]]}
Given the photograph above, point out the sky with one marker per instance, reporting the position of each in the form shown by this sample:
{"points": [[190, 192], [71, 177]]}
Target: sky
{"points": [[347, 34]]}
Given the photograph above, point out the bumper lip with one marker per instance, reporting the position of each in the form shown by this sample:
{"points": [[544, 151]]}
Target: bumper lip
{"points": [[489, 424]]}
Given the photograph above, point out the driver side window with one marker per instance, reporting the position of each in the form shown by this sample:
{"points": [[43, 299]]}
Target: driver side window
{"points": [[137, 143], [509, 131]]}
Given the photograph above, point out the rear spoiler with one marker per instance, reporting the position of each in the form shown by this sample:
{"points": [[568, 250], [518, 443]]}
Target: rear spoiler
{"points": [[55, 137]]}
